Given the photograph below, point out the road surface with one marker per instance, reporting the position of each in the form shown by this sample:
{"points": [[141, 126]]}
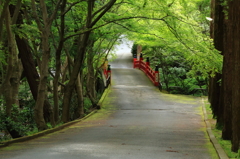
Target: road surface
{"points": [[136, 121]]}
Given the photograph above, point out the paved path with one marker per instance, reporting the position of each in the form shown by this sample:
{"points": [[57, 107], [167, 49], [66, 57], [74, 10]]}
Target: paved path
{"points": [[136, 122]]}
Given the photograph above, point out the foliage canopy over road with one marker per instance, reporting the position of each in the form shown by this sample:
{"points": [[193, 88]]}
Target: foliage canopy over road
{"points": [[52, 53]]}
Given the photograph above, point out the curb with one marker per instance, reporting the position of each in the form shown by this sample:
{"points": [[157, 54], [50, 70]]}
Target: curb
{"points": [[52, 130], [221, 153]]}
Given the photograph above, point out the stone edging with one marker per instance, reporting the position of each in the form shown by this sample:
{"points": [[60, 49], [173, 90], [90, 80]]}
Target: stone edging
{"points": [[217, 146]]}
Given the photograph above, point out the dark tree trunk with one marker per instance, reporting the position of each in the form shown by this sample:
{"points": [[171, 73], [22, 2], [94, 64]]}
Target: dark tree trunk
{"points": [[234, 30], [227, 81], [214, 92], [73, 77], [215, 86], [31, 73], [58, 63], [91, 80]]}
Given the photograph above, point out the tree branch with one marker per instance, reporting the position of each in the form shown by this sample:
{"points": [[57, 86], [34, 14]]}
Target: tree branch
{"points": [[50, 72], [137, 31], [112, 21], [34, 10], [2, 16], [50, 20], [107, 8], [70, 7], [16, 11]]}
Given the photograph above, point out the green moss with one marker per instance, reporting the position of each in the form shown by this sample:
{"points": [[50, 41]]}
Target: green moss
{"points": [[217, 131], [185, 99], [13, 147], [225, 144]]}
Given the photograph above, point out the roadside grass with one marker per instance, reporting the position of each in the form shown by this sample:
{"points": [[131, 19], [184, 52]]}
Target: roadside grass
{"points": [[225, 144]]}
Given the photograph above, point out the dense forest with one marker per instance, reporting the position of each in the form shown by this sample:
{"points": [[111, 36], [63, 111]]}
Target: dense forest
{"points": [[52, 55]]}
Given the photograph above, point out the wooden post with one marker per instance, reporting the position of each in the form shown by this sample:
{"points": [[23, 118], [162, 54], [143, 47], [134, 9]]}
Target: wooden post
{"points": [[134, 60], [156, 82], [141, 56], [147, 65], [109, 74]]}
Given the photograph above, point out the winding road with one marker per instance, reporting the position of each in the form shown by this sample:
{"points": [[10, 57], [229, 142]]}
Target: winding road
{"points": [[136, 121]]}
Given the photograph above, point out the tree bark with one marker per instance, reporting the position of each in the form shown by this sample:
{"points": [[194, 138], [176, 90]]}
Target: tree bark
{"points": [[91, 80], [217, 35], [11, 83], [227, 80], [2, 15], [38, 110], [58, 63], [42, 88], [79, 91], [234, 29], [73, 77]]}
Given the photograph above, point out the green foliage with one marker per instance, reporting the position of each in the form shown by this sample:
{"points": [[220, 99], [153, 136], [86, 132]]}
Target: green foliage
{"points": [[21, 120], [173, 33], [175, 71], [30, 32], [87, 105], [183, 29], [134, 49]]}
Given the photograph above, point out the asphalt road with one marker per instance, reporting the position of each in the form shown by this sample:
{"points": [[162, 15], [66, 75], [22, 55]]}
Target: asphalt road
{"points": [[136, 121]]}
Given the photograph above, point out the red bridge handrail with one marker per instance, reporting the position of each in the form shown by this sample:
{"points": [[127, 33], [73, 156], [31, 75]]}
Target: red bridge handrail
{"points": [[107, 74], [153, 75]]}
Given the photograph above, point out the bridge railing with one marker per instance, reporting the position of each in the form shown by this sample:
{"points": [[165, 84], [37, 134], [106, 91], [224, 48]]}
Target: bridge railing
{"points": [[107, 74], [153, 74]]}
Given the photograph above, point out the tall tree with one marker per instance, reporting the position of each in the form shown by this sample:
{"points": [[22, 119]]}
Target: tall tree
{"points": [[58, 60], [45, 29], [11, 82], [227, 79], [91, 20], [217, 28], [234, 47]]}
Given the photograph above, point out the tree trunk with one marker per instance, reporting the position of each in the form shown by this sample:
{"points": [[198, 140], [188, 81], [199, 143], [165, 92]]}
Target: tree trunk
{"points": [[227, 80], [73, 77], [42, 88], [234, 18], [91, 81], [11, 82], [38, 110], [214, 92], [79, 91], [4, 5], [58, 63], [217, 35]]}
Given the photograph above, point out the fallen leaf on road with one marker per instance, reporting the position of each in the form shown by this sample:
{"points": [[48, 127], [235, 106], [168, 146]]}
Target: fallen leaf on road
{"points": [[171, 151]]}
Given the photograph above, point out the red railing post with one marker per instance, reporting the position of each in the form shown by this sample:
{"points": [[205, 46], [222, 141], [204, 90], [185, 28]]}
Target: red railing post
{"points": [[147, 65], [141, 62], [152, 74], [141, 57], [109, 75], [156, 81], [134, 60]]}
